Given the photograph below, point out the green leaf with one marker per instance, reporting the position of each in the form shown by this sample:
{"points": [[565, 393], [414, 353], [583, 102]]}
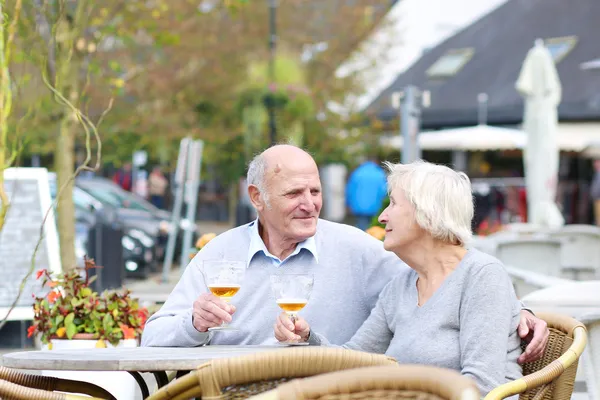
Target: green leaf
{"points": [[107, 322], [59, 318], [69, 319], [71, 330], [75, 302]]}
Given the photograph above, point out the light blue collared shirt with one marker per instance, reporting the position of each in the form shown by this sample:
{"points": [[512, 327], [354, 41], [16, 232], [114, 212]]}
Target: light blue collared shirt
{"points": [[257, 245]]}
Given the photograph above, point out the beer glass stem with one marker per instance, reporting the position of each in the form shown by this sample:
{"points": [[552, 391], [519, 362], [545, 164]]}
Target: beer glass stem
{"points": [[223, 323], [293, 318]]}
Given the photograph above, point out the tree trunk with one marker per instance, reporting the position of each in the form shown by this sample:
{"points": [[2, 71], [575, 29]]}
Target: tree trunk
{"points": [[233, 201], [5, 106], [65, 164], [66, 68]]}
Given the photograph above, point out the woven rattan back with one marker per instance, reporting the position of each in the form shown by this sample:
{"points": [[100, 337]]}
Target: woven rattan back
{"points": [[12, 391], [52, 384], [383, 382], [242, 377], [559, 341]]}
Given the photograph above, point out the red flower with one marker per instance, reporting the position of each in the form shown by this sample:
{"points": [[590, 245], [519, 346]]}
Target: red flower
{"points": [[128, 333], [52, 296], [143, 316], [39, 274], [30, 331]]}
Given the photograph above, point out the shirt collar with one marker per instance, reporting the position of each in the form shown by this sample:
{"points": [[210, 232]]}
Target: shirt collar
{"points": [[257, 245]]}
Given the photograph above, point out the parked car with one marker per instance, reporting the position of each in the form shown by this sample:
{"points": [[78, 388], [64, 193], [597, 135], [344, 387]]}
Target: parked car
{"points": [[156, 222], [138, 246]]}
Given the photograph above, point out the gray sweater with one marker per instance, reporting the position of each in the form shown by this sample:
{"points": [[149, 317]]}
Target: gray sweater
{"points": [[468, 325], [351, 271]]}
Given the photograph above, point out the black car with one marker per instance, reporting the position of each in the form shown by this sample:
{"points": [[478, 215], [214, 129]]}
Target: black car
{"points": [[138, 247], [135, 210]]}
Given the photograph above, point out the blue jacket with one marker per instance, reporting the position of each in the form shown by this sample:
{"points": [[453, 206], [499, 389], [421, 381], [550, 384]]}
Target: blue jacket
{"points": [[366, 189]]}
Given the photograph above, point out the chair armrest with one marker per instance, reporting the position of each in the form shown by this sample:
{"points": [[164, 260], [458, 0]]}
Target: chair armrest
{"points": [[546, 374]]}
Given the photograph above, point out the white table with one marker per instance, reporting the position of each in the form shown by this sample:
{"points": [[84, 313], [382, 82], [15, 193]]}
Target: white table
{"points": [[156, 360]]}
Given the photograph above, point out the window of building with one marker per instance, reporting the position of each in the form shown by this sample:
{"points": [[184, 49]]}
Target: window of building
{"points": [[450, 63], [560, 47], [592, 64]]}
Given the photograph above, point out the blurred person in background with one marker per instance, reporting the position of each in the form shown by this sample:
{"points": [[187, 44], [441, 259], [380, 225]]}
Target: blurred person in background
{"points": [[157, 187], [123, 177], [365, 191]]}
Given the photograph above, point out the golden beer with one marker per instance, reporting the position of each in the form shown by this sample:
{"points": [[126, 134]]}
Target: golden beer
{"points": [[292, 305], [224, 290]]}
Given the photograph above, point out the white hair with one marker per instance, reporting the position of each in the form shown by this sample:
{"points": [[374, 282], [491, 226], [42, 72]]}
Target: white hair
{"points": [[257, 171], [442, 198]]}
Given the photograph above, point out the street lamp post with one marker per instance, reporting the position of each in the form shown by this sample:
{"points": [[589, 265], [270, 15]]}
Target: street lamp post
{"points": [[409, 101], [272, 48]]}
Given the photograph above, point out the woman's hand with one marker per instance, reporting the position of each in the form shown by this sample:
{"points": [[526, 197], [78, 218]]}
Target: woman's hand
{"points": [[286, 331]]}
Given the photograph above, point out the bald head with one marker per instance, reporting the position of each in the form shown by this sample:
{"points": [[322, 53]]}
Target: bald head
{"points": [[286, 157], [275, 162]]}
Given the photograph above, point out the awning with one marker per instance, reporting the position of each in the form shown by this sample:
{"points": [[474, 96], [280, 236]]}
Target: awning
{"points": [[578, 137], [473, 138]]}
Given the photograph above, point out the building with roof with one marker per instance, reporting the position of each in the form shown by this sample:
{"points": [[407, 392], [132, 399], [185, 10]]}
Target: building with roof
{"points": [[486, 57]]}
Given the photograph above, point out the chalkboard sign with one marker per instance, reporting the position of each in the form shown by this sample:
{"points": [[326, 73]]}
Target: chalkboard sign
{"points": [[29, 194]]}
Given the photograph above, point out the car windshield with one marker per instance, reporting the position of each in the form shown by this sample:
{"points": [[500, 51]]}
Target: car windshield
{"points": [[132, 201], [81, 199], [104, 196], [102, 189]]}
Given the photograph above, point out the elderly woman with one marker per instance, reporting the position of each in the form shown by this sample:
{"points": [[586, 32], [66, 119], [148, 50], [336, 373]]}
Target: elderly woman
{"points": [[455, 307]]}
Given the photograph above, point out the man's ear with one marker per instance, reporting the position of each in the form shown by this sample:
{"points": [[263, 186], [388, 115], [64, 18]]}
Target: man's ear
{"points": [[256, 198]]}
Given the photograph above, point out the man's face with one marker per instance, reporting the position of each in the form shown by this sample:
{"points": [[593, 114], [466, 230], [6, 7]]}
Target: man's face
{"points": [[294, 202]]}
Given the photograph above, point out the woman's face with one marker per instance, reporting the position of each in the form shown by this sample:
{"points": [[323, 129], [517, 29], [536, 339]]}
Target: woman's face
{"points": [[401, 229]]}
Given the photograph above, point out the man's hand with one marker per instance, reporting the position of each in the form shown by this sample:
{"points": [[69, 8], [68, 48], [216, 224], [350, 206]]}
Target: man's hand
{"points": [[533, 331], [210, 311], [286, 331]]}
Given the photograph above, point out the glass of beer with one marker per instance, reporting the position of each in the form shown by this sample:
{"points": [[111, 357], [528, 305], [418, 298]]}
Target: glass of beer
{"points": [[224, 279], [292, 292]]}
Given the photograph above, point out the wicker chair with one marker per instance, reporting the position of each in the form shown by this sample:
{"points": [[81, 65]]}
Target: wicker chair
{"points": [[553, 376], [387, 382], [52, 384], [242, 377], [12, 391]]}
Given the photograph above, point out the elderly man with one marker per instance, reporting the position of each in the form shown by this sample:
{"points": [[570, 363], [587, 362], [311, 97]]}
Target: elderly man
{"points": [[350, 267]]}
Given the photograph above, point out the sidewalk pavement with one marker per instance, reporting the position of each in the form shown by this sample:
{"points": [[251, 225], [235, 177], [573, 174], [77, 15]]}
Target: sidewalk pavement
{"points": [[152, 290]]}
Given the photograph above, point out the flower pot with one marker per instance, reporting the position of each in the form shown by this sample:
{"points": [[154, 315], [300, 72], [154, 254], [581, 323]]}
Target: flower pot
{"points": [[78, 336], [119, 384]]}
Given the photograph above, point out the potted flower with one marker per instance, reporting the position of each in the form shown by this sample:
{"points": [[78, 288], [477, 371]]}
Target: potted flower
{"points": [[201, 242], [70, 310], [70, 315]]}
